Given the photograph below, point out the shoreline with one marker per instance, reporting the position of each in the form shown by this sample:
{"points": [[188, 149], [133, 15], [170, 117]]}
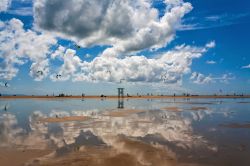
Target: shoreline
{"points": [[126, 97]]}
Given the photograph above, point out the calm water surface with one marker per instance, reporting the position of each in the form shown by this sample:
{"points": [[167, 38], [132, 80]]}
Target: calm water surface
{"points": [[188, 132]]}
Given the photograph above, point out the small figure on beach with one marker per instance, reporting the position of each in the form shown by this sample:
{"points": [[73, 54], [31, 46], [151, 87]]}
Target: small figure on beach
{"points": [[128, 95]]}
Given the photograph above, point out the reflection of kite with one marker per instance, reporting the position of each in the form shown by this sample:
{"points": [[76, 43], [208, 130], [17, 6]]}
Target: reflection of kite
{"points": [[58, 76], [5, 108], [164, 76], [6, 84], [93, 78]]}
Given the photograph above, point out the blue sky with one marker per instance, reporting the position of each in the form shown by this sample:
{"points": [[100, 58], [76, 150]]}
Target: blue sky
{"points": [[212, 37]]}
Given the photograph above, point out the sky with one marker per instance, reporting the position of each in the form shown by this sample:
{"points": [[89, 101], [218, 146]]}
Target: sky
{"points": [[145, 46]]}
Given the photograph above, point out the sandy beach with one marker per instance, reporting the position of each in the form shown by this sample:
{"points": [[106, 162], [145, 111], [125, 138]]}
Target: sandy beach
{"points": [[64, 119], [125, 97], [17, 157], [125, 152]]}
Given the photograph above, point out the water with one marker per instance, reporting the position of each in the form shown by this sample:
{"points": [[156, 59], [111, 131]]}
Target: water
{"points": [[188, 132]]}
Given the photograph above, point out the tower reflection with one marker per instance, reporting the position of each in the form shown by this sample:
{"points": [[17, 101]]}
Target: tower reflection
{"points": [[120, 103]]}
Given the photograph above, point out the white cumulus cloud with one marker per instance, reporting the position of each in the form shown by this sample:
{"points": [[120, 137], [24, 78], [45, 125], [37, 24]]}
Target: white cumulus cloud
{"points": [[225, 78], [127, 26], [211, 44], [211, 62], [168, 67], [246, 67], [199, 78], [17, 46], [4, 5], [71, 63]]}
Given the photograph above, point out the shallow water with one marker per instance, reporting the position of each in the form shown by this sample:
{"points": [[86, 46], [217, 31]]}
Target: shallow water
{"points": [[127, 132]]}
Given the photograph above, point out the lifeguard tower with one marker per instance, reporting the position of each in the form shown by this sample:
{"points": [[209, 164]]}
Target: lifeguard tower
{"points": [[120, 98]]}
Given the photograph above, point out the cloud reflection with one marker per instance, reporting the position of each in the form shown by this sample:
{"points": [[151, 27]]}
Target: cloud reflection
{"points": [[104, 129]]}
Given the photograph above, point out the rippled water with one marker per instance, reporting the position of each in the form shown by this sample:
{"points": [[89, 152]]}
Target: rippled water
{"points": [[126, 132]]}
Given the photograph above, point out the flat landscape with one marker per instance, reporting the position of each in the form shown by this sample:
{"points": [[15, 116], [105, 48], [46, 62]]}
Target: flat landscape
{"points": [[125, 97], [160, 131], [124, 83]]}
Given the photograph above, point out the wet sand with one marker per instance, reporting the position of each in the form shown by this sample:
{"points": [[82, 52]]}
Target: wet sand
{"points": [[236, 125], [123, 152], [15, 157], [176, 109], [198, 108], [171, 109], [243, 102], [64, 119], [122, 113], [191, 103]]}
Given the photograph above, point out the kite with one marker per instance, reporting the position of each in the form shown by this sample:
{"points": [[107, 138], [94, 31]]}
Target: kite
{"points": [[6, 85], [58, 75], [41, 72], [77, 46]]}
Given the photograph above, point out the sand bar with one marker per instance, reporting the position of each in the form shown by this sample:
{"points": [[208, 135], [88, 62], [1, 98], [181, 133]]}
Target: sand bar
{"points": [[123, 152], [198, 108], [64, 119], [236, 125], [122, 113], [115, 97], [171, 109], [16, 157]]}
